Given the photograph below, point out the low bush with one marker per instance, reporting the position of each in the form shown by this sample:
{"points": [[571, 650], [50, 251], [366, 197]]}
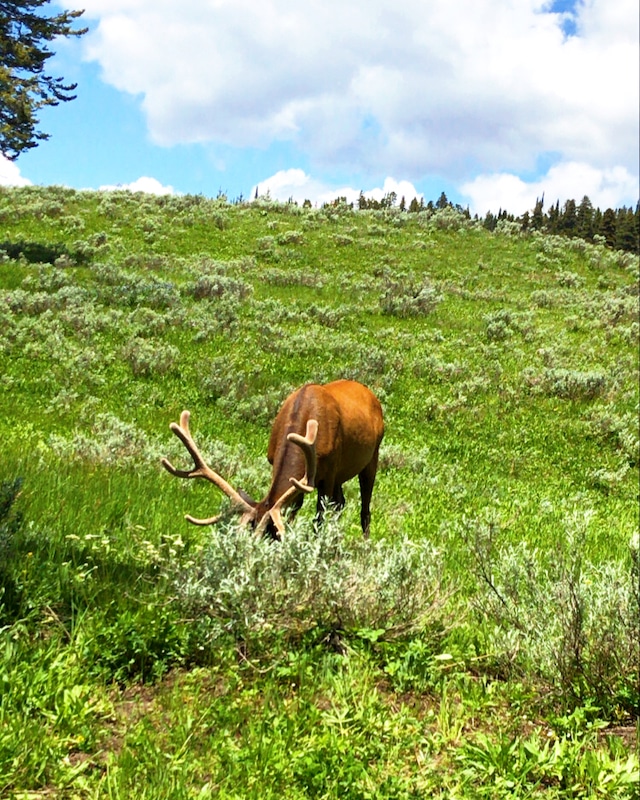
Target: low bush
{"points": [[407, 297], [572, 384], [574, 624], [256, 590]]}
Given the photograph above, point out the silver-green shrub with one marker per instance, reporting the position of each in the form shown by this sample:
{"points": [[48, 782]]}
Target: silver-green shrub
{"points": [[110, 440], [573, 384], [501, 324], [216, 286], [619, 430], [447, 219], [150, 356], [290, 237], [404, 296], [508, 227], [253, 588], [574, 624]]}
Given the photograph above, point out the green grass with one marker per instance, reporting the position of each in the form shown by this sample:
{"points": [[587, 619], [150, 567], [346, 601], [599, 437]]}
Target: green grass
{"points": [[483, 644]]}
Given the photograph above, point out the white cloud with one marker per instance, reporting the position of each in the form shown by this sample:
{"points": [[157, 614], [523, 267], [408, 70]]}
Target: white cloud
{"points": [[144, 184], [413, 88], [295, 184], [606, 188], [477, 92], [10, 174]]}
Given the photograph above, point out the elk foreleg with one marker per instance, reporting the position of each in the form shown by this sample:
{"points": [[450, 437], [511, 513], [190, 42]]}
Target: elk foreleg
{"points": [[333, 498]]}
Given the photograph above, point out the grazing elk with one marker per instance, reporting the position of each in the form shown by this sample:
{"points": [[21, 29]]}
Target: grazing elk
{"points": [[322, 436]]}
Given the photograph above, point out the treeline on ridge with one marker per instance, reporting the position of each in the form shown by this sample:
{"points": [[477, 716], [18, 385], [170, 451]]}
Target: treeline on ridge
{"points": [[620, 228]]}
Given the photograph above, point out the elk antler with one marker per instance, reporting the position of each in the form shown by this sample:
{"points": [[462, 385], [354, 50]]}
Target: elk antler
{"points": [[307, 444], [201, 470]]}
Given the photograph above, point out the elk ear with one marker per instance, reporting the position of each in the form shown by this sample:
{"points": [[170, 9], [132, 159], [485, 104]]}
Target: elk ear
{"points": [[247, 499]]}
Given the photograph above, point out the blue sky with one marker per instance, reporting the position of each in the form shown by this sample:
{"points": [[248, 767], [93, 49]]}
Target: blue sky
{"points": [[494, 103]]}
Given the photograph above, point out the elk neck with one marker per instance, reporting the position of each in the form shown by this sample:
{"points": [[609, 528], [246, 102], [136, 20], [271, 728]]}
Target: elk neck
{"points": [[289, 459]]}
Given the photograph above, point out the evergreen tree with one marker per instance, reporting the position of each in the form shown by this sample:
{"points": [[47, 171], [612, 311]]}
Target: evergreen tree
{"points": [[24, 86], [442, 202], [490, 222], [553, 217], [568, 221], [626, 237], [537, 221], [584, 221], [609, 227], [389, 200]]}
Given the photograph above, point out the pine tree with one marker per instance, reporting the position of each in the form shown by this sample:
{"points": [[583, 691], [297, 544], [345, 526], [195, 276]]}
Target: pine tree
{"points": [[553, 217], [584, 222], [537, 221], [24, 86], [490, 222], [568, 221], [626, 238], [609, 227]]}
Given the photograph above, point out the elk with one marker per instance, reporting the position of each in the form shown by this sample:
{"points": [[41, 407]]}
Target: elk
{"points": [[323, 436]]}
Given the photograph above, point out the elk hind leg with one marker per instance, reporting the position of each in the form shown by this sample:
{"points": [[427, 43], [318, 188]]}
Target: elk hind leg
{"points": [[367, 480]]}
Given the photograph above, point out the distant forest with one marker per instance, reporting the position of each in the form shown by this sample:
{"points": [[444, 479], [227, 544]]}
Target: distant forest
{"points": [[619, 228]]}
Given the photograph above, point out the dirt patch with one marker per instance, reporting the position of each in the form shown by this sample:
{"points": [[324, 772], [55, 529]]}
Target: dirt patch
{"points": [[628, 734]]}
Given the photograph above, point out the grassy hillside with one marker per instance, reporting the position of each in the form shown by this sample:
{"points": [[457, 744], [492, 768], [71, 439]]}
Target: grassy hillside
{"points": [[482, 644]]}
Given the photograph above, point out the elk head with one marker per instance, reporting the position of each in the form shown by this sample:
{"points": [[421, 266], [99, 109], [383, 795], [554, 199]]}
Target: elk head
{"points": [[266, 516]]}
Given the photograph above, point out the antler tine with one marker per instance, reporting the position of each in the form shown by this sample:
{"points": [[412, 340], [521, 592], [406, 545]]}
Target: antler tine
{"points": [[308, 445], [208, 521], [201, 469]]}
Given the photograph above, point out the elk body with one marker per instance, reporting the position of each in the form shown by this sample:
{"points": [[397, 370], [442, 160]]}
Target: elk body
{"points": [[323, 436]]}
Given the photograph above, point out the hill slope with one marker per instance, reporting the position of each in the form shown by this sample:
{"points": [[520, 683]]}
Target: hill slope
{"points": [[498, 598]]}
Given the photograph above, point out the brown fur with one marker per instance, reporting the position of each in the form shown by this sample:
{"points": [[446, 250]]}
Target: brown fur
{"points": [[350, 429]]}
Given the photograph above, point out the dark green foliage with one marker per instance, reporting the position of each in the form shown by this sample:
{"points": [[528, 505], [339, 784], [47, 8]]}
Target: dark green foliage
{"points": [[41, 252], [609, 227], [141, 641], [585, 219], [10, 522], [24, 86], [620, 228]]}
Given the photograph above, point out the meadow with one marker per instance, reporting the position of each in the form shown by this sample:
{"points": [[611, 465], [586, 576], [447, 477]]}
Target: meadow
{"points": [[483, 643]]}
